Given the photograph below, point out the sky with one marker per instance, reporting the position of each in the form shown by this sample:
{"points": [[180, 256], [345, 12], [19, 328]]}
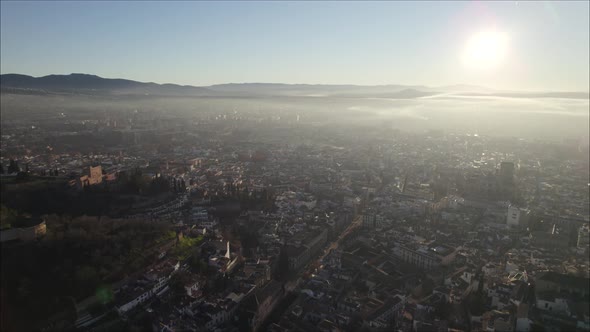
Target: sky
{"points": [[507, 45]]}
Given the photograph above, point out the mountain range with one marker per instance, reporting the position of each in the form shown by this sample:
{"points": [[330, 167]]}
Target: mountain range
{"points": [[85, 84]]}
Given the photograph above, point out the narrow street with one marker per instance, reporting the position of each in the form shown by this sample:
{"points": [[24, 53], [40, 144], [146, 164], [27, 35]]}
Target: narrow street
{"points": [[292, 284]]}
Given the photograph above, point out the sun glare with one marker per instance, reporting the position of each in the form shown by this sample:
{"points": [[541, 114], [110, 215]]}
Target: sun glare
{"points": [[485, 50]]}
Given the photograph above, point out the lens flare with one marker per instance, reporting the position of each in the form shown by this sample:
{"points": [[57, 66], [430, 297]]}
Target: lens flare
{"points": [[486, 50]]}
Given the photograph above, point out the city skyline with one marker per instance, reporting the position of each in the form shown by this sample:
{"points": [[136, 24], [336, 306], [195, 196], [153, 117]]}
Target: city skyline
{"points": [[294, 166], [526, 46]]}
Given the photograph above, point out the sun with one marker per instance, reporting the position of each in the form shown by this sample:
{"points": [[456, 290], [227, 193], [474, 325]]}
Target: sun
{"points": [[486, 50]]}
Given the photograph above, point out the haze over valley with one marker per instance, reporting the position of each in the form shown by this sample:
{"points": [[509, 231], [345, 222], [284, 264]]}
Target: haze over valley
{"points": [[466, 109], [294, 166]]}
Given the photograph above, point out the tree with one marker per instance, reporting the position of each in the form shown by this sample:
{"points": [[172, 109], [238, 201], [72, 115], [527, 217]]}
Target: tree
{"points": [[427, 286], [178, 281], [244, 321], [159, 185], [245, 193], [282, 270], [22, 176], [197, 264], [264, 194], [25, 287], [13, 167], [86, 277], [249, 241], [220, 283], [7, 216]]}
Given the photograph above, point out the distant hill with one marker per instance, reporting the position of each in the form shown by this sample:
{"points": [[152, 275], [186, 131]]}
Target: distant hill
{"points": [[72, 81], [91, 84], [322, 90], [565, 95], [95, 85], [86, 84]]}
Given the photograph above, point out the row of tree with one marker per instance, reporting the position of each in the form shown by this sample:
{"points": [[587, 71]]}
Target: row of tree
{"points": [[76, 258], [12, 167], [137, 183]]}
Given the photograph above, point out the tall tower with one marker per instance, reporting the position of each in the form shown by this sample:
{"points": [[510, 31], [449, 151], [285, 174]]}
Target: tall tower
{"points": [[227, 252], [507, 172], [513, 216], [583, 237]]}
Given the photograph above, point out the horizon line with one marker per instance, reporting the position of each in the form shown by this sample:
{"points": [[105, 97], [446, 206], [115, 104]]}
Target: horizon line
{"points": [[314, 84]]}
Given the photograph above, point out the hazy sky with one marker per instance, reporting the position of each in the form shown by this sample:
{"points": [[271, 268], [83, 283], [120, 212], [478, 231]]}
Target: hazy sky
{"points": [[542, 45]]}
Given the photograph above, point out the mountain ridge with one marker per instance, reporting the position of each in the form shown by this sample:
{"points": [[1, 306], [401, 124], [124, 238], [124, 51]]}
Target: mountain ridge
{"points": [[89, 83]]}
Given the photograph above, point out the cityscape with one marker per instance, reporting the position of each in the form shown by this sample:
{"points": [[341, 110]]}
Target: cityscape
{"points": [[132, 206]]}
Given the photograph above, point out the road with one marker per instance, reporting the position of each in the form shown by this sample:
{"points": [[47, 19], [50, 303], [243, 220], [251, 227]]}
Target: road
{"points": [[296, 281], [334, 245], [353, 225]]}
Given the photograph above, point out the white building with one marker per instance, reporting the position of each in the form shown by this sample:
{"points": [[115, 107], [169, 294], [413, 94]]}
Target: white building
{"points": [[382, 317], [583, 237], [553, 304], [516, 217], [155, 282], [424, 257], [208, 224], [513, 216], [523, 323]]}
